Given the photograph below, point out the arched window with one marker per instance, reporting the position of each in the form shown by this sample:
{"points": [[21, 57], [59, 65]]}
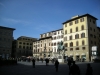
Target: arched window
{"points": [[76, 29], [82, 27], [66, 45], [34, 50], [83, 43], [71, 44], [82, 35], [77, 43], [65, 38], [65, 31], [76, 36], [70, 30], [70, 37]]}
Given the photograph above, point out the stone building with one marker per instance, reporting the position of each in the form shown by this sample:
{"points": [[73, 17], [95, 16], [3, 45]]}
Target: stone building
{"points": [[80, 34], [6, 38], [23, 46]]}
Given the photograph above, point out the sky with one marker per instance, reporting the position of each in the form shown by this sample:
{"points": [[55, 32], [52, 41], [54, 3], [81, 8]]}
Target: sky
{"points": [[34, 17]]}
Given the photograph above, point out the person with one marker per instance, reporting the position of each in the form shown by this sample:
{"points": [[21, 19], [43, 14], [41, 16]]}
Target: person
{"points": [[74, 70], [69, 62], [56, 65], [33, 62], [47, 61], [42, 60], [89, 70]]}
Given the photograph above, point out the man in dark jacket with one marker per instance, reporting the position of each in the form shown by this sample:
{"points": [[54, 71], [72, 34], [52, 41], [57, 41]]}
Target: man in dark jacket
{"points": [[56, 65], [74, 70], [33, 62]]}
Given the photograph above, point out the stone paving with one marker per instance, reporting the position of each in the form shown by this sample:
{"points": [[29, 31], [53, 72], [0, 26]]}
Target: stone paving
{"points": [[25, 68]]}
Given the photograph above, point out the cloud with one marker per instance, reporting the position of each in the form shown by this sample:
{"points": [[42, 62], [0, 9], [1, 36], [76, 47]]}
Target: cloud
{"points": [[10, 20], [1, 4]]}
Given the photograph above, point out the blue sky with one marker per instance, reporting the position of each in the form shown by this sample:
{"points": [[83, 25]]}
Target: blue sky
{"points": [[34, 17]]}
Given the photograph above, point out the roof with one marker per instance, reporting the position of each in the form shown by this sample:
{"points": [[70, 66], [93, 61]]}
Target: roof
{"points": [[80, 17], [27, 37], [6, 28], [53, 31], [45, 38]]}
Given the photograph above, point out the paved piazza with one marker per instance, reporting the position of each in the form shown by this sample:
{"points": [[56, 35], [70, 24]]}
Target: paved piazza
{"points": [[25, 68]]}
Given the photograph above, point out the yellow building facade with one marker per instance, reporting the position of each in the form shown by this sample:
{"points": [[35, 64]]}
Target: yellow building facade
{"points": [[77, 36]]}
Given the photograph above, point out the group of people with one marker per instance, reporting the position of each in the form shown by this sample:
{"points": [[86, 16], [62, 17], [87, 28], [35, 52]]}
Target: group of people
{"points": [[73, 68], [47, 61]]}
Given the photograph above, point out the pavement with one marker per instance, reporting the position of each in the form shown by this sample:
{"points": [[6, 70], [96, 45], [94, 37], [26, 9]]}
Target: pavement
{"points": [[25, 68]]}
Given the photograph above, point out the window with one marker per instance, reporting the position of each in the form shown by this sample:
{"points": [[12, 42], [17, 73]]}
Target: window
{"points": [[41, 45], [91, 35], [94, 30], [54, 38], [66, 25], [23, 47], [76, 29], [65, 38], [54, 33], [71, 49], [82, 27], [94, 36], [77, 48], [83, 43], [66, 45], [76, 21], [83, 48], [54, 44], [27, 47], [71, 44], [61, 36], [58, 32], [82, 35], [23, 43], [70, 23], [93, 22], [65, 31], [77, 43], [90, 28], [49, 44], [91, 42], [19, 46], [82, 19], [70, 37], [70, 30], [95, 43], [76, 36], [20, 42], [90, 20], [27, 43], [38, 50]]}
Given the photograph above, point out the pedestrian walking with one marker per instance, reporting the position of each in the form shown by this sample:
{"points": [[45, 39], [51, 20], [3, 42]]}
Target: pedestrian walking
{"points": [[56, 65], [33, 62], [69, 63], [89, 70], [74, 70], [47, 61]]}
